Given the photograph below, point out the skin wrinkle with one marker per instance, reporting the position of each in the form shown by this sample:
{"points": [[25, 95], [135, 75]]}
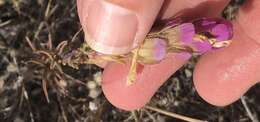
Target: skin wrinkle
{"points": [[131, 4], [247, 18], [249, 35], [193, 8], [137, 7]]}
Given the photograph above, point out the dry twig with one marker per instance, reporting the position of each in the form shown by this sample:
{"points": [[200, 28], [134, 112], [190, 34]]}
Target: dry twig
{"points": [[248, 111], [174, 115]]}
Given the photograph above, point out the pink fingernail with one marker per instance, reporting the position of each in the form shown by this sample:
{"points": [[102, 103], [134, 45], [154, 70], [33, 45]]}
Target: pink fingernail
{"points": [[111, 29]]}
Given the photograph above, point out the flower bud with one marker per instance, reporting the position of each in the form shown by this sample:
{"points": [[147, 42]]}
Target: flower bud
{"points": [[152, 51]]}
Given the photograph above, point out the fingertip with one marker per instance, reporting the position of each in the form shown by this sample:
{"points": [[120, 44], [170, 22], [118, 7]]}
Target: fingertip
{"points": [[223, 76], [149, 79], [117, 92], [217, 90]]}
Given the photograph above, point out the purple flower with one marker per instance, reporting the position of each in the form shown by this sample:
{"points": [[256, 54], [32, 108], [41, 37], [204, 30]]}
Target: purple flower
{"points": [[205, 34], [218, 28], [186, 32]]}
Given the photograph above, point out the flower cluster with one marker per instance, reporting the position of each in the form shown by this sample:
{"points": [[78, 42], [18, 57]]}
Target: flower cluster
{"points": [[198, 36]]}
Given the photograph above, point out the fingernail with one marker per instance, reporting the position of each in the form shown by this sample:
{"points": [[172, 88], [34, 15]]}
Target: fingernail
{"points": [[111, 29]]}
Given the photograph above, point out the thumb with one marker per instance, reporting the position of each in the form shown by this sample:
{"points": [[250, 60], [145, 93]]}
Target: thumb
{"points": [[117, 26]]}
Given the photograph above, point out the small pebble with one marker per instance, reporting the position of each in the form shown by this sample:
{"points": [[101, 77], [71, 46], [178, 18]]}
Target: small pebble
{"points": [[92, 106], [94, 93], [160, 119], [188, 73], [18, 120], [12, 68], [98, 78], [163, 101], [176, 103], [63, 83], [92, 84]]}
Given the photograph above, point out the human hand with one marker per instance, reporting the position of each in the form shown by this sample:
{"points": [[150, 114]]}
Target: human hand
{"points": [[220, 77]]}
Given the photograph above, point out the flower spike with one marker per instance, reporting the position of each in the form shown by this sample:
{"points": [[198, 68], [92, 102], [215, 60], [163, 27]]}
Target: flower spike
{"points": [[198, 36]]}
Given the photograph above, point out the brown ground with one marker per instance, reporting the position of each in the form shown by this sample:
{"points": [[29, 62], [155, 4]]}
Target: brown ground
{"points": [[22, 96]]}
